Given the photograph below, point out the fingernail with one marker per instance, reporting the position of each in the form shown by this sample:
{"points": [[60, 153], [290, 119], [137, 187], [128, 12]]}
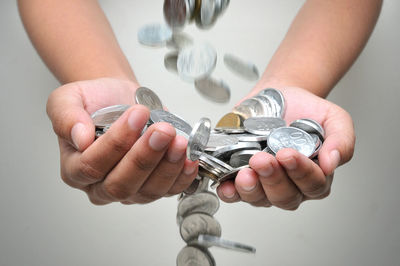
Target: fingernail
{"points": [[189, 169], [159, 141], [174, 156], [249, 188], [229, 194], [135, 120], [290, 164], [266, 172], [76, 133], [335, 158]]}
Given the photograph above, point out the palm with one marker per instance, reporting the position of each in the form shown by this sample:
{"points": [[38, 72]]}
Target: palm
{"points": [[104, 92], [303, 104]]}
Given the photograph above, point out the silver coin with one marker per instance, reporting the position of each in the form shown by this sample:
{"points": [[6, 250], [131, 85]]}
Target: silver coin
{"points": [[310, 126], [204, 202], [180, 41], [229, 130], [148, 98], [247, 137], [106, 116], [241, 68], [241, 158], [154, 35], [200, 184], [197, 62], [250, 108], [194, 256], [199, 223], [218, 7], [207, 13], [99, 133], [278, 97], [227, 151], [217, 141], [232, 174], [291, 137], [178, 123], [170, 62], [177, 13], [214, 90], [208, 240], [268, 150], [214, 164], [263, 125], [318, 145], [198, 139], [224, 5], [269, 107]]}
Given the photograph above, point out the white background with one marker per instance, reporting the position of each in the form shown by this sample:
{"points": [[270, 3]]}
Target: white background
{"points": [[44, 222]]}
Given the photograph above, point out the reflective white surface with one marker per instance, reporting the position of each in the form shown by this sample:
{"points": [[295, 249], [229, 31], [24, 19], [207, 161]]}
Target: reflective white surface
{"points": [[44, 222]]}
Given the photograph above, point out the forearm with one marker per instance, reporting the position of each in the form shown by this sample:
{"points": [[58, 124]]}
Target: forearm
{"points": [[74, 39], [323, 41]]}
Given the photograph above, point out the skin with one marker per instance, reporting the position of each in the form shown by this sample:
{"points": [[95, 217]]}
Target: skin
{"points": [[81, 50]]}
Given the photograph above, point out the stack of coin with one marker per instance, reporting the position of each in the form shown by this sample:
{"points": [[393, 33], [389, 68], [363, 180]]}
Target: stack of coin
{"points": [[199, 229], [195, 62]]}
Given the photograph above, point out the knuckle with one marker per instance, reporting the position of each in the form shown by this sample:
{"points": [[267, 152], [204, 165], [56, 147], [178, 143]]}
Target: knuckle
{"points": [[139, 199], [272, 181], [119, 145], [323, 195], [97, 202], [316, 189], [89, 172], [143, 163], [116, 191], [151, 196], [289, 203]]}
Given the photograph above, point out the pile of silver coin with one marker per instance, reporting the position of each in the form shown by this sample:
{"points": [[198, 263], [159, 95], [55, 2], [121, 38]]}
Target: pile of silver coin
{"points": [[255, 125], [195, 62]]}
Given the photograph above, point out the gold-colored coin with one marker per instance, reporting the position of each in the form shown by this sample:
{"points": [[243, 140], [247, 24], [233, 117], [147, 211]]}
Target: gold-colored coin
{"points": [[230, 120], [196, 11], [205, 173]]}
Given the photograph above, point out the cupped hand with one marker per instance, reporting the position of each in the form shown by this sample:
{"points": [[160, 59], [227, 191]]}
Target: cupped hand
{"points": [[290, 178], [121, 165]]}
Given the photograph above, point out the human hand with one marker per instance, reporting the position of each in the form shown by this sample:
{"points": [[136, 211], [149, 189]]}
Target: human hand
{"points": [[290, 178], [121, 165]]}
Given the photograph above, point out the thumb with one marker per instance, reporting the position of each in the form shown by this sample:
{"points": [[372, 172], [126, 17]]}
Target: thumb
{"points": [[338, 147], [71, 122]]}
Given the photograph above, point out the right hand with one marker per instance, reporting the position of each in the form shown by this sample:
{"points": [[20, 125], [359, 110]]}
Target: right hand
{"points": [[120, 166]]}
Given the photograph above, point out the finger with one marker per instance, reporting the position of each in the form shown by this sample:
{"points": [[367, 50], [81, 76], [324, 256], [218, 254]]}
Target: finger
{"points": [[338, 147], [249, 187], [185, 179], [308, 176], [163, 177], [227, 192], [262, 203], [96, 162], [70, 120], [132, 171], [280, 190]]}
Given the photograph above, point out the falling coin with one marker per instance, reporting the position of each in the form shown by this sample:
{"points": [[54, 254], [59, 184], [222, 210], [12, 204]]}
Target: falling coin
{"points": [[154, 34], [242, 68], [214, 90]]}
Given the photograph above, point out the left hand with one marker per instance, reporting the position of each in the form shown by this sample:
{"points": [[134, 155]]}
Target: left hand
{"points": [[290, 178]]}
